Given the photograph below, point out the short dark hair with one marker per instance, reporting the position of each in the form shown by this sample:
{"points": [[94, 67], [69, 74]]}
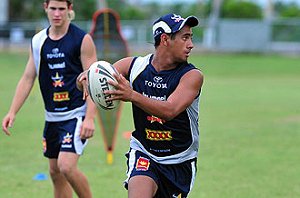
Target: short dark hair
{"points": [[157, 40], [69, 2]]}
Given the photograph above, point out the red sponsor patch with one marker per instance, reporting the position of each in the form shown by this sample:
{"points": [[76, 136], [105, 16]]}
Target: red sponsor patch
{"points": [[155, 119], [61, 96], [142, 164]]}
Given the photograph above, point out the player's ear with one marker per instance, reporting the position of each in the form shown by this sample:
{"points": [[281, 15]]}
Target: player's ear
{"points": [[70, 7], [164, 39], [45, 6]]}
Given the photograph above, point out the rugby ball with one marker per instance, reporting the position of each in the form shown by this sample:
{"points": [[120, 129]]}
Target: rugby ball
{"points": [[98, 75]]}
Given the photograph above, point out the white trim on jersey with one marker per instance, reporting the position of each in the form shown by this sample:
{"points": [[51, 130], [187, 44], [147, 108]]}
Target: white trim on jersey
{"points": [[130, 164], [142, 62], [37, 43], [61, 116], [78, 145], [194, 171]]}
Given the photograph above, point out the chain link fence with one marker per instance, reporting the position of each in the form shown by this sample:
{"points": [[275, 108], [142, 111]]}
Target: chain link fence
{"points": [[278, 35]]}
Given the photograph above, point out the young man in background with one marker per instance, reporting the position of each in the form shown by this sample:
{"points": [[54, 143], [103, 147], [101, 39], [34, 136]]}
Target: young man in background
{"points": [[58, 54]]}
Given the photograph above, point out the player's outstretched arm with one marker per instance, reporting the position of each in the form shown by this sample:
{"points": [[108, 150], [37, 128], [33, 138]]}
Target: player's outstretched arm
{"points": [[22, 91], [189, 87]]}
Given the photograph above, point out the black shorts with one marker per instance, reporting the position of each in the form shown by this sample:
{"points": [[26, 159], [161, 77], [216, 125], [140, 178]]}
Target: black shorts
{"points": [[174, 180], [63, 136]]}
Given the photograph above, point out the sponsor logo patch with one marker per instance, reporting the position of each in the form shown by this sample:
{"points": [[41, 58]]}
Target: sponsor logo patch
{"points": [[44, 145], [57, 80], [61, 96], [57, 65], [55, 54], [176, 196], [155, 119], [142, 164], [158, 135], [67, 139], [177, 18], [66, 143]]}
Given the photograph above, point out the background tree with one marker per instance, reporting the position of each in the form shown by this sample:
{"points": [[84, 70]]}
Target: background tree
{"points": [[25, 10], [241, 9], [289, 10], [33, 10], [84, 9]]}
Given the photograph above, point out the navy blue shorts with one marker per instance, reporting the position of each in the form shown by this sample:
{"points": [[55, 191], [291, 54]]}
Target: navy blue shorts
{"points": [[174, 180], [63, 136]]}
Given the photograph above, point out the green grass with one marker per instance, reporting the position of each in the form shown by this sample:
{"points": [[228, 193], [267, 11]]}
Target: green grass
{"points": [[249, 122]]}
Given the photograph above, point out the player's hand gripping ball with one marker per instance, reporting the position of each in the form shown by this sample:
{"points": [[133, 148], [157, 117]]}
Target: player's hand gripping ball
{"points": [[98, 75]]}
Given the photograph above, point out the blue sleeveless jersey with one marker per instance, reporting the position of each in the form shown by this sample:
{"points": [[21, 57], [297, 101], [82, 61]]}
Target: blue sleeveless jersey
{"points": [[166, 142], [57, 65]]}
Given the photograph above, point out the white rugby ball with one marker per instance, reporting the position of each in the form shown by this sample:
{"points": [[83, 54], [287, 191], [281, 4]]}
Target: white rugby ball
{"points": [[98, 75]]}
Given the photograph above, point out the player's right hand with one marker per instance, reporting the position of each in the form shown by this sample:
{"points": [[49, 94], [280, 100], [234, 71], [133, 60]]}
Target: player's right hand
{"points": [[7, 122], [82, 84]]}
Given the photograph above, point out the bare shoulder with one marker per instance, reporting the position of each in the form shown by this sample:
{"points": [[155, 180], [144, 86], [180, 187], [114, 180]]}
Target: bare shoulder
{"points": [[124, 61], [87, 40], [194, 78], [123, 65], [194, 74]]}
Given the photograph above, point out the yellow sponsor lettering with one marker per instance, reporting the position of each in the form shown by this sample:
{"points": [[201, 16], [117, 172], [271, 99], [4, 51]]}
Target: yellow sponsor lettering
{"points": [[61, 96], [159, 135]]}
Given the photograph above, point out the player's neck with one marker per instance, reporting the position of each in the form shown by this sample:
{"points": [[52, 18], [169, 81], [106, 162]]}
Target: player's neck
{"points": [[57, 32], [163, 62]]}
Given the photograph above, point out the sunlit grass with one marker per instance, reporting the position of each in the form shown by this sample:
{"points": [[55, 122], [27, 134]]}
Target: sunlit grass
{"points": [[249, 122]]}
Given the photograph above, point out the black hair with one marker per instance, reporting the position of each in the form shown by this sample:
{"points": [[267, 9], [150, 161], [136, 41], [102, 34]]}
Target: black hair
{"points": [[157, 39]]}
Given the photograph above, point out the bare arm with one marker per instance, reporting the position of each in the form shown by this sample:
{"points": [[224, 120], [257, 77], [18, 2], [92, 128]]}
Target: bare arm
{"points": [[22, 91], [123, 65], [178, 101], [88, 56], [188, 88]]}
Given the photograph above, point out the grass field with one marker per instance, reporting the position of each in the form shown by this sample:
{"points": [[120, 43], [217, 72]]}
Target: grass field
{"points": [[249, 122]]}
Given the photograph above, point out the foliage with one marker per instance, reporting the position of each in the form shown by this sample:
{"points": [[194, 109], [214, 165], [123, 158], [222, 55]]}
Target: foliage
{"points": [[207, 8], [33, 9], [286, 32], [241, 9], [287, 10], [25, 10], [84, 9], [132, 13], [197, 9]]}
